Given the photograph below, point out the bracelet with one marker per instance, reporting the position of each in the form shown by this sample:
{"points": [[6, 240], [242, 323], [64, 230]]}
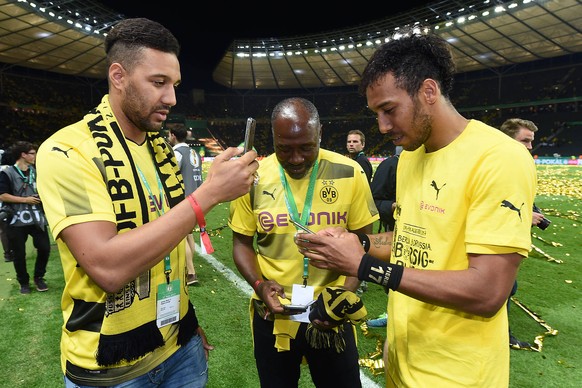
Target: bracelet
{"points": [[206, 245], [380, 272], [256, 284], [364, 240]]}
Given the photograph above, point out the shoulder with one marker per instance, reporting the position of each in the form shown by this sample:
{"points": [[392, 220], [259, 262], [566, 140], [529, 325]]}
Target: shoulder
{"points": [[491, 142], [73, 136], [336, 157]]}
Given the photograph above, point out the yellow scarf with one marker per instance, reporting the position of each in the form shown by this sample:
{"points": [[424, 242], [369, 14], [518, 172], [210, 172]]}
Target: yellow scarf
{"points": [[338, 305], [129, 329]]}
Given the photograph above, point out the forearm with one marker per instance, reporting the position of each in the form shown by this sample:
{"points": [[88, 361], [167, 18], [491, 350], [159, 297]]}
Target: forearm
{"points": [[381, 245], [245, 258], [479, 289], [9, 198], [112, 259]]}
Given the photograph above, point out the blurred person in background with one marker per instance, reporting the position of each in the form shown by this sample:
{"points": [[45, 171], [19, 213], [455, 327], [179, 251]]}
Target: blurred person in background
{"points": [[356, 142], [4, 213], [190, 164], [19, 193], [384, 190]]}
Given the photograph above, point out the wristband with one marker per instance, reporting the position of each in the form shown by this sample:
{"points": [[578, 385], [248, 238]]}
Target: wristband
{"points": [[364, 240], [205, 243], [380, 272], [256, 284]]}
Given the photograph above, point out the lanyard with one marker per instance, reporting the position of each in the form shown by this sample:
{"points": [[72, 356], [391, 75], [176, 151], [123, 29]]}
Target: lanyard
{"points": [[28, 180], [292, 207], [159, 211]]}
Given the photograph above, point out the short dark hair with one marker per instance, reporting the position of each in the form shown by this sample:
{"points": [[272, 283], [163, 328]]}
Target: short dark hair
{"points": [[19, 147], [127, 38], [411, 59], [291, 104], [180, 132]]}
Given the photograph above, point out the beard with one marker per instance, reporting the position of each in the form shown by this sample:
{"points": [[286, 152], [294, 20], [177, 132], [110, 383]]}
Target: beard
{"points": [[422, 126], [134, 107]]}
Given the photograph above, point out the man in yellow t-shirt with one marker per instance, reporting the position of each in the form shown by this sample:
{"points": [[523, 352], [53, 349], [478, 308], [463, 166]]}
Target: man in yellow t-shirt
{"points": [[318, 188], [464, 195]]}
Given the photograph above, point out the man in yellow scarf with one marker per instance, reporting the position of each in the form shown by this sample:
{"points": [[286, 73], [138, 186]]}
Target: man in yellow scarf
{"points": [[115, 203]]}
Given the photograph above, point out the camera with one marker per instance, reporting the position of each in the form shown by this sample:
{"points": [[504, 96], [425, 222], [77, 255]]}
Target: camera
{"points": [[544, 223], [5, 213]]}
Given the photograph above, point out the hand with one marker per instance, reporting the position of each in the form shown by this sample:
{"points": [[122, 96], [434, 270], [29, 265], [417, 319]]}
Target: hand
{"points": [[229, 177], [205, 344], [33, 200], [325, 325], [536, 218], [333, 249], [269, 291]]}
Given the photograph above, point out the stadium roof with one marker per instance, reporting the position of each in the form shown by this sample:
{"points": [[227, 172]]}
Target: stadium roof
{"points": [[66, 37]]}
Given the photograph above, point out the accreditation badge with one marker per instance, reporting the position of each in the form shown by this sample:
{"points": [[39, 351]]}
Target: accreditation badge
{"points": [[168, 303], [302, 295]]}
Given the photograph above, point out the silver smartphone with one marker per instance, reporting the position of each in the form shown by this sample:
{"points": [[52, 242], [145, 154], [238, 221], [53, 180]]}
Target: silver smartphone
{"points": [[250, 134], [298, 308], [300, 226]]}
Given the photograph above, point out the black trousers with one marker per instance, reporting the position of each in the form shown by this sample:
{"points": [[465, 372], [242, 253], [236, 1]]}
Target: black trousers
{"points": [[283, 369], [5, 241], [40, 238]]}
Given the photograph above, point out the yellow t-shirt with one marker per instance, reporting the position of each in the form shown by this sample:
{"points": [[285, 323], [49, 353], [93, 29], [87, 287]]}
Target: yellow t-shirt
{"points": [[473, 196], [74, 191], [341, 197]]}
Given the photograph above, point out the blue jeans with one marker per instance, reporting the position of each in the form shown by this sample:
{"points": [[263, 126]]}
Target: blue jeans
{"points": [[185, 368]]}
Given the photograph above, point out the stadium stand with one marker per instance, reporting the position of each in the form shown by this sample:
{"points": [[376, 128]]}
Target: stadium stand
{"points": [[515, 82]]}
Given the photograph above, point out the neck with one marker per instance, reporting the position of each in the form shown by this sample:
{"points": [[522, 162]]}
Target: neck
{"points": [[447, 125], [21, 164]]}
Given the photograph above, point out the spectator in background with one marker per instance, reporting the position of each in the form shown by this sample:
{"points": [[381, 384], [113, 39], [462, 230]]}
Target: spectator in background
{"points": [[115, 202], [462, 224], [318, 188], [384, 190], [521, 130], [190, 164], [18, 192], [524, 132], [5, 211], [355, 144]]}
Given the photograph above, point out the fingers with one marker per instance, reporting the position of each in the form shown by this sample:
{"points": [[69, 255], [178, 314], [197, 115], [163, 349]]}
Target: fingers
{"points": [[336, 231], [249, 158], [229, 153]]}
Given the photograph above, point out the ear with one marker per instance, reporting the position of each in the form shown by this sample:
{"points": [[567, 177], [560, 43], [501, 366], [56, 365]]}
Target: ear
{"points": [[116, 74], [429, 91]]}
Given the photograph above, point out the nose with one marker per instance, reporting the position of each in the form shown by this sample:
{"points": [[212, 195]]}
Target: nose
{"points": [[384, 125], [296, 157], [169, 96]]}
